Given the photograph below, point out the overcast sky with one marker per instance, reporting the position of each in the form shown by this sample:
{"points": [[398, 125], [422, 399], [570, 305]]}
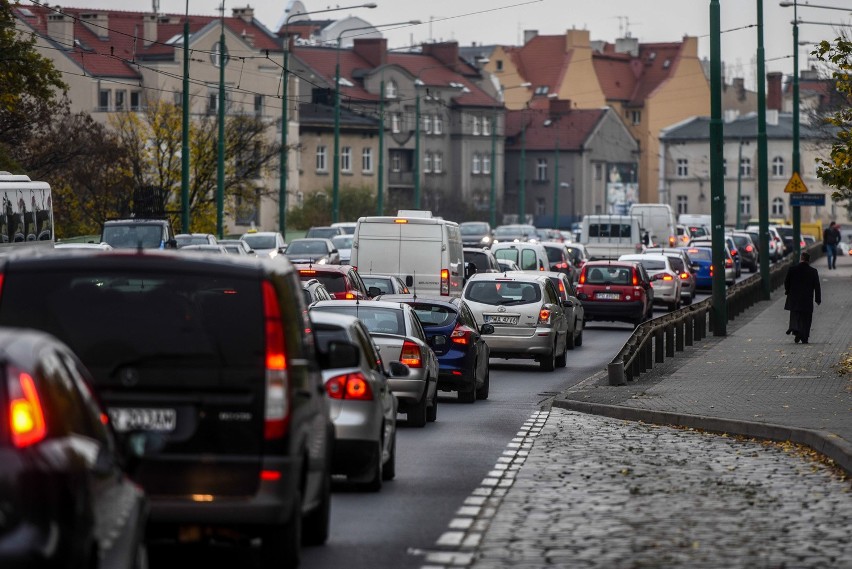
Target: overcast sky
{"points": [[504, 21]]}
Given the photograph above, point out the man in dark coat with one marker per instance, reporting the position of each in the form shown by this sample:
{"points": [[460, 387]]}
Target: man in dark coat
{"points": [[801, 287]]}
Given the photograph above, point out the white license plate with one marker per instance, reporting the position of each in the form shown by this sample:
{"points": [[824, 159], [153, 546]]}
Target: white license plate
{"points": [[608, 295], [502, 320], [142, 419]]}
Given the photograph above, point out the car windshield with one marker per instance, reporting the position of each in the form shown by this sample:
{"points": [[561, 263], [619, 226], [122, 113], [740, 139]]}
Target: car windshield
{"points": [[576, 254], [382, 320], [473, 228], [697, 231], [699, 254], [307, 248], [382, 283], [260, 241], [554, 254], [512, 232], [184, 240], [324, 232], [136, 235], [503, 292], [342, 241], [434, 316], [611, 274]]}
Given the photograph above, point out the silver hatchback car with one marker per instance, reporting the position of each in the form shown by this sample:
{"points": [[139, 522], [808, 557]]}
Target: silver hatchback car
{"points": [[528, 317]]}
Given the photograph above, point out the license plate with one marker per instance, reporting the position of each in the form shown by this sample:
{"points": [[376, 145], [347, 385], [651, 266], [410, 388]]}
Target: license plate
{"points": [[142, 419], [608, 295], [502, 319]]}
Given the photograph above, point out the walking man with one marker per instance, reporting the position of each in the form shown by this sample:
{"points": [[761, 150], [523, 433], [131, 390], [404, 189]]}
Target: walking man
{"points": [[801, 287], [830, 239]]}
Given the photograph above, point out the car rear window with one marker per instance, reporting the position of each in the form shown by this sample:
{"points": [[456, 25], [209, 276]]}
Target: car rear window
{"points": [[382, 284], [741, 240], [508, 254], [699, 254], [480, 260], [325, 233], [697, 231], [609, 230], [609, 275], [260, 241], [434, 316], [334, 282], [503, 292], [307, 248], [554, 254], [677, 264], [651, 265], [384, 320], [149, 318], [133, 235]]}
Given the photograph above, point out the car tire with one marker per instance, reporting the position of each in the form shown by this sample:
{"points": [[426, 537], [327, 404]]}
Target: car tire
{"points": [[562, 359], [753, 269], [579, 340], [468, 396], [374, 484], [416, 414], [482, 392], [315, 526], [432, 412], [280, 544], [389, 471], [569, 340], [548, 362]]}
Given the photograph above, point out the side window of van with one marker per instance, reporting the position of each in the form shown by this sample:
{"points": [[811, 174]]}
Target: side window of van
{"points": [[529, 260]]}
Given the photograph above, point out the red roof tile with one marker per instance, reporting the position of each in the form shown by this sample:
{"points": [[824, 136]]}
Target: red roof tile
{"points": [[571, 129]]}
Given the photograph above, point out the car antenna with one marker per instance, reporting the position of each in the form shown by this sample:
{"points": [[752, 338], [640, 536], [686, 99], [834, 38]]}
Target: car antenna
{"points": [[414, 286]]}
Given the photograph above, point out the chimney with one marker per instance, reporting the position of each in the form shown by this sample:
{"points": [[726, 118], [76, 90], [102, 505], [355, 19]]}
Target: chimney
{"points": [[529, 35], [559, 106], [372, 50], [627, 45], [445, 52], [149, 28], [773, 91], [60, 28], [576, 39], [739, 88], [97, 23], [245, 14]]}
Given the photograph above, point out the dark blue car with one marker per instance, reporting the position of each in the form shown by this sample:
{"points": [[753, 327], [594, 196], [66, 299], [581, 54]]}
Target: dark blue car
{"points": [[703, 257], [457, 341]]}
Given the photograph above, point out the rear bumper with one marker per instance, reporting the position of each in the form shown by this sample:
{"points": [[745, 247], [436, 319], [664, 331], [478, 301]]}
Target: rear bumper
{"points": [[354, 458], [407, 390], [462, 364], [613, 311], [539, 344]]}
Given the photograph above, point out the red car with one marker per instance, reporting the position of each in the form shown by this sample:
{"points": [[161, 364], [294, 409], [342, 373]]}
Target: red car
{"points": [[615, 291], [342, 281]]}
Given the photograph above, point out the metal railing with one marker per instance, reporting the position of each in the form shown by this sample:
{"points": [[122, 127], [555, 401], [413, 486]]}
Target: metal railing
{"points": [[663, 336]]}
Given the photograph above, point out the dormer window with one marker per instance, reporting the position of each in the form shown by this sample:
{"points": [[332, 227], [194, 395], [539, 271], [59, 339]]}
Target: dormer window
{"points": [[542, 90], [391, 91], [666, 63]]}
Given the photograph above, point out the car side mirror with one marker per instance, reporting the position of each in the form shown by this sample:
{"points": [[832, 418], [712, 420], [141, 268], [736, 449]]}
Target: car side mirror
{"points": [[409, 280], [374, 291], [567, 303], [282, 250], [171, 243], [398, 369], [486, 329], [340, 354], [469, 270]]}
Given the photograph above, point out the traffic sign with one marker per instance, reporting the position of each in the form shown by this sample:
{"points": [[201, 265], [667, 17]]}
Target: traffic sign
{"points": [[817, 200], [795, 185]]}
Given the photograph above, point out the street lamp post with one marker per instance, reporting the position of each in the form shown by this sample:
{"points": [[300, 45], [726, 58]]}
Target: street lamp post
{"points": [[495, 121], [220, 166], [283, 160], [184, 153], [335, 201]]}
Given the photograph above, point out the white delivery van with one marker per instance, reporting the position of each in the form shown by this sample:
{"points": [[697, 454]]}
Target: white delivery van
{"points": [[26, 217], [610, 236], [425, 252], [658, 222], [696, 220]]}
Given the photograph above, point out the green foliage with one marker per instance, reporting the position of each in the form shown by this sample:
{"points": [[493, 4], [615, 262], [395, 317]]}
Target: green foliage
{"points": [[355, 202], [836, 171]]}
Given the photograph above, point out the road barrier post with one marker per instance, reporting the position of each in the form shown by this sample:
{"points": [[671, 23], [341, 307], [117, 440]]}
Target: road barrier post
{"points": [[658, 346], [670, 347], [615, 372]]}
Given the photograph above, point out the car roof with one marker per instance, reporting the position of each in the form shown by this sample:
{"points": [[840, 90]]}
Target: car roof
{"points": [[407, 298], [342, 320], [643, 256], [607, 263], [366, 303], [323, 268], [513, 275]]}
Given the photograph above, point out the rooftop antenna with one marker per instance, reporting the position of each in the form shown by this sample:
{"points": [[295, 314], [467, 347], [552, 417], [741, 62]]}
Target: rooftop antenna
{"points": [[155, 6]]}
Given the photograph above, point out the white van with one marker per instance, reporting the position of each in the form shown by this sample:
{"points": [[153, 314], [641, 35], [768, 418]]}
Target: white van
{"points": [[610, 236], [529, 256], [26, 217], [425, 252], [658, 222]]}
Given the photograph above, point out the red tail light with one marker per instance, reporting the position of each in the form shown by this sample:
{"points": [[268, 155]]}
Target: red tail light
{"points": [[684, 276], [445, 282], [270, 475], [544, 316], [410, 355], [672, 240], [635, 278], [729, 263], [26, 416], [582, 280], [711, 270], [277, 414], [561, 286], [349, 296], [668, 278], [307, 272], [749, 248], [461, 335], [352, 386]]}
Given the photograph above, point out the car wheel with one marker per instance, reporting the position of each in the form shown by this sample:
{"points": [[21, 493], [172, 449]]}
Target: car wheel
{"points": [[548, 362], [375, 482], [569, 340], [316, 524], [468, 396], [579, 340], [417, 414], [140, 558], [389, 471], [753, 269], [482, 392], [280, 544], [432, 412]]}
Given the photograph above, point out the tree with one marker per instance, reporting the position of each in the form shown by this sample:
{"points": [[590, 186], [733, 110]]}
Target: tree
{"points": [[836, 171], [31, 88], [316, 209]]}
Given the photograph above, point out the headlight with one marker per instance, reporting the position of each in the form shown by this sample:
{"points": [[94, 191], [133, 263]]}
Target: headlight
{"points": [[485, 240]]}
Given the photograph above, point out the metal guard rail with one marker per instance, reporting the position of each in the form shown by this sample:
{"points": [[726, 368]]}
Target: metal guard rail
{"points": [[660, 337]]}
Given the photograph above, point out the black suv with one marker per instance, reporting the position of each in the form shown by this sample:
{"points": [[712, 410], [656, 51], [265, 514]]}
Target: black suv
{"points": [[206, 364], [139, 233]]}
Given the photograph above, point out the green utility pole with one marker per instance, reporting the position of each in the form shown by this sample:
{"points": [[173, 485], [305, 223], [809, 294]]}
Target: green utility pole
{"points": [[184, 151], [717, 180], [522, 188], [762, 167], [797, 211], [220, 170], [380, 201], [492, 201], [282, 161], [739, 184], [556, 188], [416, 147], [335, 183]]}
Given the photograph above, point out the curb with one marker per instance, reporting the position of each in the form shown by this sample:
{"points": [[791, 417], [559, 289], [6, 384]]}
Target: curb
{"points": [[828, 444]]}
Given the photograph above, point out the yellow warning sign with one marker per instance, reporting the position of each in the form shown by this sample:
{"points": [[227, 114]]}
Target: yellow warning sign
{"points": [[795, 185]]}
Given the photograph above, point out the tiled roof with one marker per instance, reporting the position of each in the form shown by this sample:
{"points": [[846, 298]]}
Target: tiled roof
{"points": [[322, 116], [698, 129], [542, 61], [323, 60], [113, 55], [571, 129]]}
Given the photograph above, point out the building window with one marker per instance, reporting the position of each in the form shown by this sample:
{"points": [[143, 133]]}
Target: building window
{"points": [[745, 167], [682, 167], [499, 65], [135, 100], [477, 164], [745, 205], [120, 100], [477, 126], [367, 160], [395, 120], [778, 167], [778, 207], [258, 105], [438, 163], [682, 204], [636, 117], [541, 170], [396, 162], [486, 126], [178, 98], [540, 206], [322, 158], [212, 102], [427, 163], [346, 159], [103, 99], [598, 171], [486, 164], [438, 126], [390, 90], [427, 124]]}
